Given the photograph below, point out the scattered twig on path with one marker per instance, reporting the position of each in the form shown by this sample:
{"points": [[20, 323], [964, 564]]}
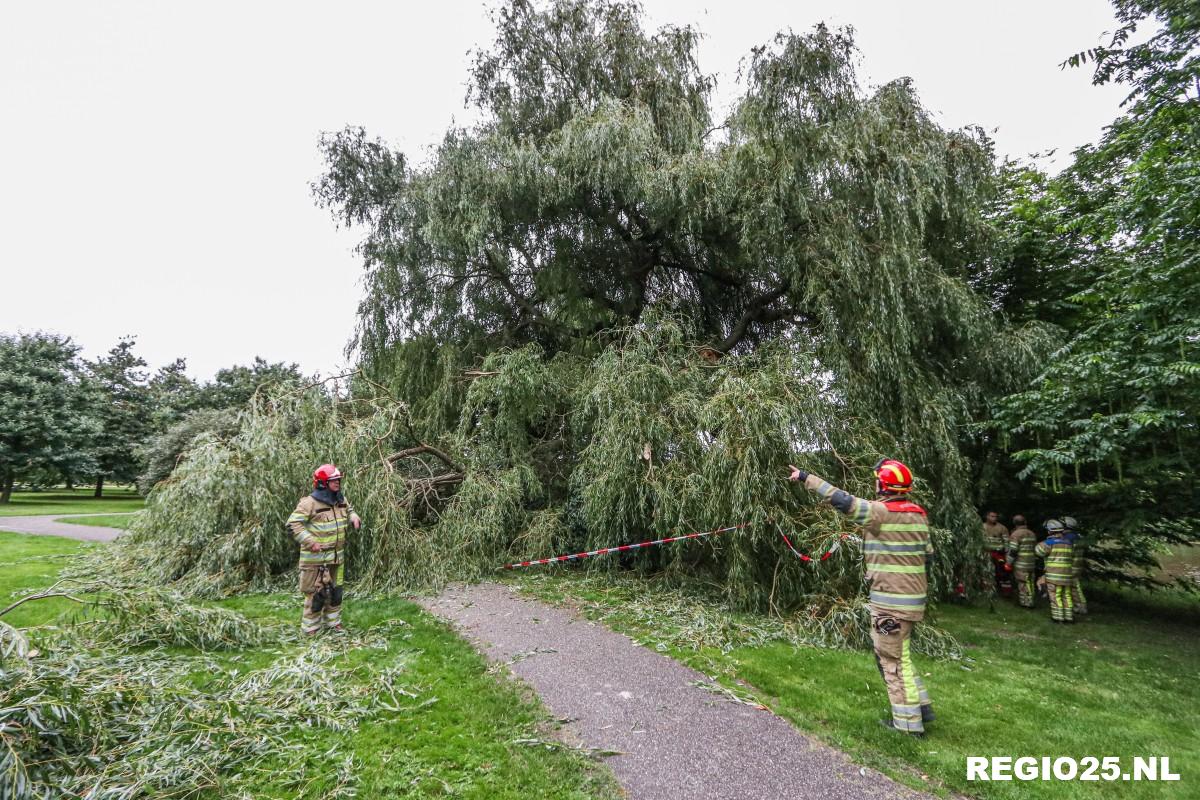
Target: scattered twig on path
{"points": [[728, 694], [588, 752], [521, 656]]}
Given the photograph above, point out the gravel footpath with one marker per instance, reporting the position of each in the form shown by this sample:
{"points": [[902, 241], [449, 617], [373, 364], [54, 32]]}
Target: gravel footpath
{"points": [[47, 526], [677, 741]]}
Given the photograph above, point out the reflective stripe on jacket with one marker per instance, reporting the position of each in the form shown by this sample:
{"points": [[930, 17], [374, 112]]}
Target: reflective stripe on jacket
{"points": [[995, 536], [896, 545], [1060, 559], [328, 524], [1021, 549], [1078, 553]]}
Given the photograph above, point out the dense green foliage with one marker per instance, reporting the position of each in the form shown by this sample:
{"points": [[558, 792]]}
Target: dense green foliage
{"points": [[47, 419], [184, 409], [555, 454], [162, 452], [63, 419], [122, 406], [1110, 249]]}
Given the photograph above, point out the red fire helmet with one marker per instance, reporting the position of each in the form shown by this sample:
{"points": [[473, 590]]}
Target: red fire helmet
{"points": [[893, 476], [324, 474]]}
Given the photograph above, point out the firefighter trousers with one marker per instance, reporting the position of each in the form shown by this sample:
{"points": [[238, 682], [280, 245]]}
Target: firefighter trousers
{"points": [[1061, 606], [311, 581], [1078, 601], [1025, 589], [906, 693]]}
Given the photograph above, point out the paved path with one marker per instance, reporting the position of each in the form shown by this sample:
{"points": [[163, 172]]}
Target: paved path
{"points": [[47, 526], [677, 741]]}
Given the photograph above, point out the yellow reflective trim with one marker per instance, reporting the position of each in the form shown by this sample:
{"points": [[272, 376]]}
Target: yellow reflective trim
{"points": [[900, 568]]}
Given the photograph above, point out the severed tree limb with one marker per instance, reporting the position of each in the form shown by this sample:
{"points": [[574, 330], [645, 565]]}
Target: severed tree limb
{"points": [[424, 448], [43, 596]]}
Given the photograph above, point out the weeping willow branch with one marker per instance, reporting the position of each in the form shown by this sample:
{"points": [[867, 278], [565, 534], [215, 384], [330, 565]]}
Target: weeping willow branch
{"points": [[43, 596]]}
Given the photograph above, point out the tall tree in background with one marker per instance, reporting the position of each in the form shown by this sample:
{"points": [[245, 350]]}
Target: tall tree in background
{"points": [[233, 387], [173, 395], [46, 410], [123, 406], [1113, 423]]}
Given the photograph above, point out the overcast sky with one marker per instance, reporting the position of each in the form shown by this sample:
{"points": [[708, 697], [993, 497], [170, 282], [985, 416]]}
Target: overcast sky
{"points": [[155, 157]]}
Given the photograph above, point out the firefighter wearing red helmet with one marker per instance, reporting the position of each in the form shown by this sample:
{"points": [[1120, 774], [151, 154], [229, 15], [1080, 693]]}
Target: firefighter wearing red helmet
{"points": [[319, 525], [896, 549]]}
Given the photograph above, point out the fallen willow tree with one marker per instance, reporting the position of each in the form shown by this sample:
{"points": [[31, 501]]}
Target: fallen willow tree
{"points": [[552, 454]]}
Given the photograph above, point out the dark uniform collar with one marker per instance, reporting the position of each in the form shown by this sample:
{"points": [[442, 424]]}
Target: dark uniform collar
{"points": [[329, 498]]}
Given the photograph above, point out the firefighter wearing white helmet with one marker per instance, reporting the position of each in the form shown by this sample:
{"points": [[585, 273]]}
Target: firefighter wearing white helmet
{"points": [[319, 525], [1079, 553], [1059, 555]]}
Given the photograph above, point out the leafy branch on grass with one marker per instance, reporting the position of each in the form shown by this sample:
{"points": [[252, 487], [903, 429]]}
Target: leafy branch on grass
{"points": [[104, 722]]}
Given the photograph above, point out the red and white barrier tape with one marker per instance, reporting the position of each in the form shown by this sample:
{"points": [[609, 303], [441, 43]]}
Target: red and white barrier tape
{"points": [[804, 557], [622, 548]]}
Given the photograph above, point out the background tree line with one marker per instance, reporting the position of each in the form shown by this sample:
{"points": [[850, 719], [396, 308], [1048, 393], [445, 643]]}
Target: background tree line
{"points": [[65, 419]]}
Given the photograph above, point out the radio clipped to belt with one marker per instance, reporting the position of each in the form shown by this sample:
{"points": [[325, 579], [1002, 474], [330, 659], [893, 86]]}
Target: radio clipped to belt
{"points": [[329, 593]]}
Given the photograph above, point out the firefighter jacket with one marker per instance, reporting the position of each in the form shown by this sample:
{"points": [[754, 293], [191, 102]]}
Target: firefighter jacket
{"points": [[1078, 554], [328, 523], [995, 536], [896, 545], [1060, 559], [1022, 544]]}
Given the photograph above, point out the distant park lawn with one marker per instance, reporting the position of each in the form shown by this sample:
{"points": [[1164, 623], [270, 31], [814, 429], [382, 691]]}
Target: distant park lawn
{"points": [[121, 521], [34, 562], [66, 501]]}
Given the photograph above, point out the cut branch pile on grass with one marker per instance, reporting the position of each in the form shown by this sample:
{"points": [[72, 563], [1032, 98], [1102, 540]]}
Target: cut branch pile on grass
{"points": [[86, 717]]}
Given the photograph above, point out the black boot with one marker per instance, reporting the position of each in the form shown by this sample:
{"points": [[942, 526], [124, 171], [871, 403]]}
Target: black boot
{"points": [[891, 724], [927, 714]]}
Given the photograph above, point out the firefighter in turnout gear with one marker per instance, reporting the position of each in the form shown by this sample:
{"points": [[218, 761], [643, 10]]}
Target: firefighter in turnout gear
{"points": [[896, 548], [1079, 551], [995, 543], [319, 525], [1023, 560], [1059, 555]]}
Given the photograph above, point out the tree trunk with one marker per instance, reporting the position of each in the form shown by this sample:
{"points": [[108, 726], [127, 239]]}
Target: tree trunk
{"points": [[6, 486], [99, 486]]}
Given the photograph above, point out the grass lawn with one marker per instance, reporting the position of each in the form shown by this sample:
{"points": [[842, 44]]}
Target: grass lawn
{"points": [[467, 733], [1121, 683], [34, 562], [79, 501], [121, 521]]}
